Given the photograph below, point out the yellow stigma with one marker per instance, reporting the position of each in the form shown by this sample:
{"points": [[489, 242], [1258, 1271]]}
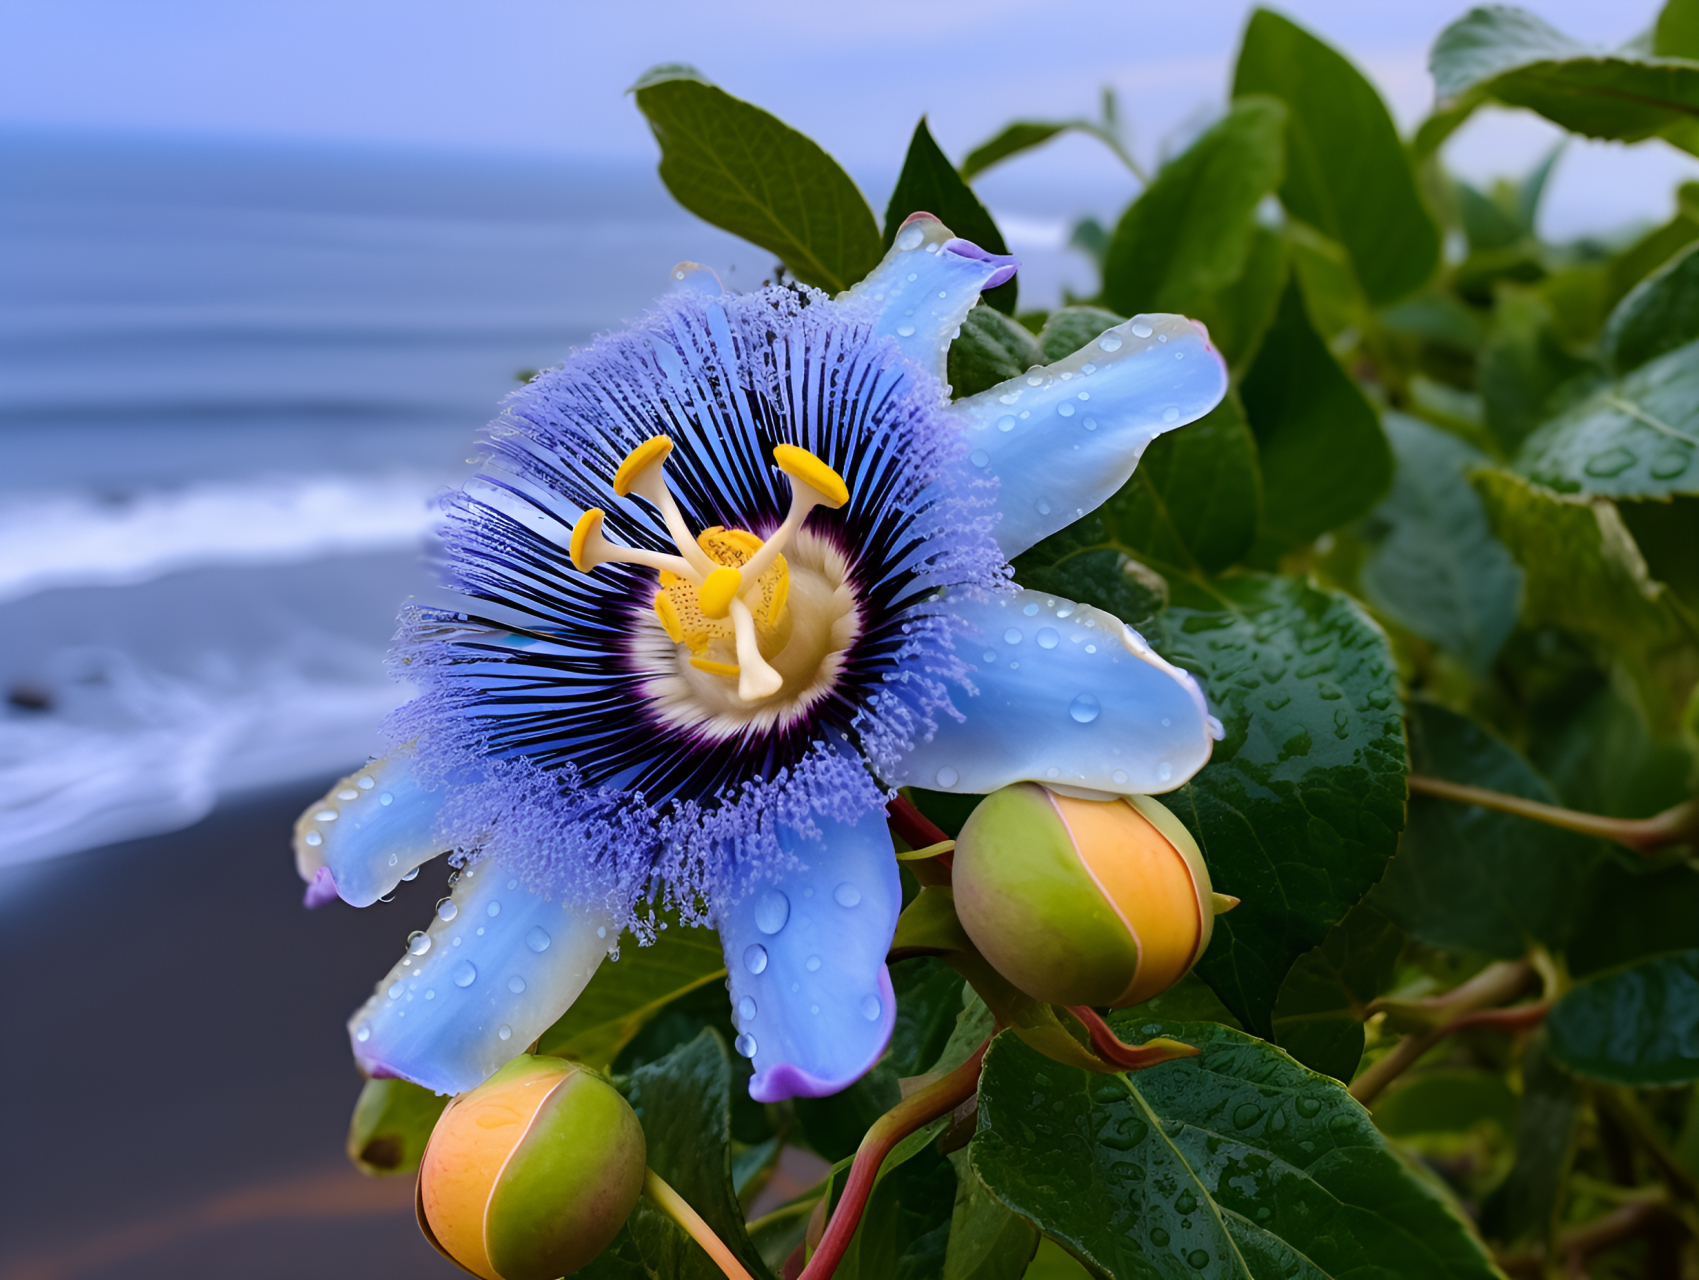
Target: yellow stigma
{"points": [[724, 595]]}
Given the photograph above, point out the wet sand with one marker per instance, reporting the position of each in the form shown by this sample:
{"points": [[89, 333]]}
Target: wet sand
{"points": [[175, 1080]]}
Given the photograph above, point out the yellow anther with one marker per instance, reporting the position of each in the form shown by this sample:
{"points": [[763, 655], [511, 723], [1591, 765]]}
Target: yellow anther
{"points": [[718, 591], [587, 540], [799, 464], [714, 668], [668, 614], [653, 450]]}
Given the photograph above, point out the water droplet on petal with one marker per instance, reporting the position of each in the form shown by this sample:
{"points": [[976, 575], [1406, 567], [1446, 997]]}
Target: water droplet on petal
{"points": [[363, 1034], [990, 655], [948, 777], [1164, 771], [313, 839], [465, 974], [411, 875], [905, 331], [325, 815], [1110, 342], [1064, 410], [812, 964], [394, 859], [910, 238], [1084, 709], [494, 909], [1047, 638], [772, 909], [1030, 609], [979, 458], [1141, 331], [871, 1008], [1119, 777], [1170, 414], [418, 943], [365, 784], [395, 989], [538, 940], [446, 909], [1012, 636], [746, 1008], [1006, 422], [755, 958], [505, 1031], [386, 799], [513, 884], [744, 1044], [846, 895], [516, 984]]}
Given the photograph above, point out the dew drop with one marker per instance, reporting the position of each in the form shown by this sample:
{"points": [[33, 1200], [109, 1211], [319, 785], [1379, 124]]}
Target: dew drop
{"points": [[1006, 422], [314, 839], [446, 910], [1164, 771], [1012, 636], [1668, 466], [1142, 331], [1109, 342], [744, 1044], [538, 940], [325, 815], [493, 910], [948, 777], [513, 884], [1091, 424], [411, 875], [1030, 609], [431, 994], [1246, 1114], [1119, 777], [418, 944], [394, 859], [1309, 1108], [516, 984], [365, 784], [1198, 1259], [1084, 709], [395, 989], [386, 799], [910, 238], [1042, 507], [990, 655], [772, 909], [1170, 414], [1159, 1237], [755, 958], [871, 1008], [1185, 1203], [465, 974], [1035, 380], [1047, 638], [1611, 462], [505, 1031], [812, 964], [348, 793], [847, 895], [905, 331], [363, 1034], [1064, 410], [979, 458], [746, 1009]]}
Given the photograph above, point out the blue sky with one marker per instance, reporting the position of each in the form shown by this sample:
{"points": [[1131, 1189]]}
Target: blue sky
{"points": [[549, 75]]}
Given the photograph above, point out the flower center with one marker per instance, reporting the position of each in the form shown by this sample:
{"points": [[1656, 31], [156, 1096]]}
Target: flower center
{"points": [[728, 596]]}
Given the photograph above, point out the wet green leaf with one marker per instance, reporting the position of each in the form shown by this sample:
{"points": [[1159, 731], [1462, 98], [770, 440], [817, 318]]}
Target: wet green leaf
{"points": [[1635, 912], [1435, 567], [1666, 533], [991, 349], [929, 183], [1524, 1206], [1238, 315], [390, 1126], [747, 172], [1635, 1026], [1191, 999], [987, 1242], [1188, 235], [1659, 314], [1318, 1016], [929, 998], [1446, 1101], [626, 993], [1347, 173], [1523, 366], [1324, 458], [1236, 1163], [1070, 328], [1300, 806], [1473, 879]]}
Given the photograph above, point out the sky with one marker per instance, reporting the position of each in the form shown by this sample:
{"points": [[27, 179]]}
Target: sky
{"points": [[549, 75]]}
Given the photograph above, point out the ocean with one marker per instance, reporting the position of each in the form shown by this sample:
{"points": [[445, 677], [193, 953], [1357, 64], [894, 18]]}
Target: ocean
{"points": [[233, 379]]}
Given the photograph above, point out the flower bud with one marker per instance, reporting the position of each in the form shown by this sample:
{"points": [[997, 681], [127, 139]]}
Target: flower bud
{"points": [[1099, 902], [531, 1175]]}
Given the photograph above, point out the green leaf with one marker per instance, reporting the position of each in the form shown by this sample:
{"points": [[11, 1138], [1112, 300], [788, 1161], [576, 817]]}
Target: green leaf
{"points": [[1189, 510], [1629, 266], [990, 349], [1187, 237], [390, 1126], [929, 183], [1666, 533], [1445, 1102], [1435, 567], [1239, 315], [1660, 314], [1014, 138], [1300, 807], [684, 1104], [1525, 1205], [835, 1126], [1347, 173], [1592, 743], [1318, 1016], [1519, 59], [1584, 573], [1191, 999], [745, 171], [1324, 458], [1635, 913], [1070, 328], [1636, 1026], [1473, 879], [1636, 437], [1522, 367], [1676, 33], [1236, 1163], [626, 993], [987, 1242], [905, 1231], [929, 999]]}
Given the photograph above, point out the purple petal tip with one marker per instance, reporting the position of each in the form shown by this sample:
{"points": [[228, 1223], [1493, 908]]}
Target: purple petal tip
{"points": [[968, 249], [321, 889]]}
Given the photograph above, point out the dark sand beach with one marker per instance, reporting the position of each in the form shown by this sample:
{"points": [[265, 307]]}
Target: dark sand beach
{"points": [[174, 1074]]}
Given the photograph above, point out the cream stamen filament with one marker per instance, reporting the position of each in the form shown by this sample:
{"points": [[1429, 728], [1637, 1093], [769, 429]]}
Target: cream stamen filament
{"points": [[755, 680]]}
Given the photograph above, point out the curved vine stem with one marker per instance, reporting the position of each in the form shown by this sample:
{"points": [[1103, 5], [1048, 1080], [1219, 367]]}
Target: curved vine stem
{"points": [[678, 1209], [1679, 825], [920, 1108], [1367, 1087]]}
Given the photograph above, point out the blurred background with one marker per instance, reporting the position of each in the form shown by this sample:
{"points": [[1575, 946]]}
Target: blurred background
{"points": [[265, 269]]}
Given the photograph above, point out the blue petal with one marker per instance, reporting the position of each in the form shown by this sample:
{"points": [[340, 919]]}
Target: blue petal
{"points": [[1063, 439], [369, 831], [925, 287], [806, 954], [497, 966], [1068, 696]]}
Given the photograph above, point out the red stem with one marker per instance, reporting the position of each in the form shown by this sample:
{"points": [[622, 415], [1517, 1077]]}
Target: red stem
{"points": [[916, 829], [918, 1109], [1111, 1048]]}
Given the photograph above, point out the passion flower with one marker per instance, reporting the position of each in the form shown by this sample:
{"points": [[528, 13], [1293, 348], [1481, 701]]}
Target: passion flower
{"points": [[532, 1174], [1096, 902]]}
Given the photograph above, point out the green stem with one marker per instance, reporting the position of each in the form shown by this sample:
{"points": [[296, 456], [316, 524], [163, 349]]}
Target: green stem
{"points": [[1675, 826], [678, 1209]]}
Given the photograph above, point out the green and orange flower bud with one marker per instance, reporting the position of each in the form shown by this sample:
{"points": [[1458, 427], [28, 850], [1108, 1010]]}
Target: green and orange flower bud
{"points": [[1094, 902], [532, 1174]]}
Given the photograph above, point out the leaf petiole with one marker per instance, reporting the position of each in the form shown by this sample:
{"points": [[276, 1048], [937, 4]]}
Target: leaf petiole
{"points": [[678, 1209], [1675, 826]]}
